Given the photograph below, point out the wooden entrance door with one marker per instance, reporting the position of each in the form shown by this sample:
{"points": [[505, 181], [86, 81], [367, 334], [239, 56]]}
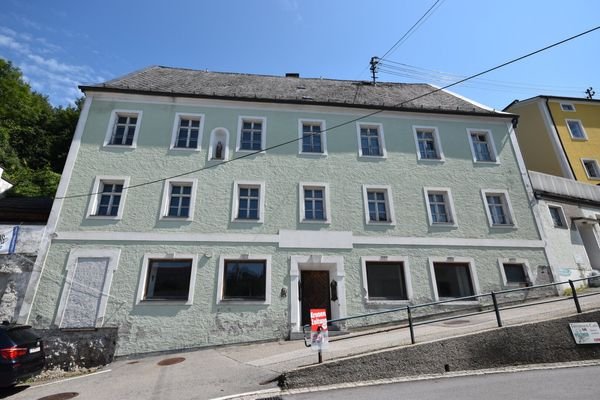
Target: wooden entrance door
{"points": [[314, 286]]}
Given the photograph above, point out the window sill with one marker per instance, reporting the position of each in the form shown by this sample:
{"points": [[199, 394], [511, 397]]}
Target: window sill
{"points": [[120, 146], [504, 226], [148, 302], [372, 158], [316, 221], [386, 303], [443, 225], [579, 139], [313, 155], [381, 223], [226, 302], [248, 221], [486, 162], [105, 217], [456, 303], [190, 149], [242, 151], [180, 219]]}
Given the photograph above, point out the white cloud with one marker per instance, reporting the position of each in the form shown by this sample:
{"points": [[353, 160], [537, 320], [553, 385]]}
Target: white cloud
{"points": [[12, 44]]}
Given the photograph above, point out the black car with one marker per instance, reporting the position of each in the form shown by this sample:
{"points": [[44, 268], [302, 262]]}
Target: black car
{"points": [[21, 353]]}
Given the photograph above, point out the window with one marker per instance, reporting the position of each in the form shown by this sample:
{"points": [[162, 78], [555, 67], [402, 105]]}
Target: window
{"points": [[498, 208], [514, 271], [482, 146], [244, 279], [370, 140], [109, 199], [440, 207], [187, 131], [378, 204], [167, 278], [453, 277], [251, 134], [313, 140], [567, 107], [385, 280], [179, 199], [576, 129], [314, 202], [123, 128], [248, 202], [591, 169], [558, 217], [428, 143]]}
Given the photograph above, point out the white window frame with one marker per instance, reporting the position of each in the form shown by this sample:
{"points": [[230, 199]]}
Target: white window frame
{"points": [[112, 254], [166, 198], [561, 213], [95, 198], [449, 206], [526, 270], [166, 256], [564, 107], [506, 204], [111, 126], [389, 203], [458, 260], [263, 136], [323, 128], [585, 136], [437, 143], [490, 142], [381, 136], [326, 202], [244, 257], [583, 161], [383, 259], [213, 142], [261, 203], [178, 118]]}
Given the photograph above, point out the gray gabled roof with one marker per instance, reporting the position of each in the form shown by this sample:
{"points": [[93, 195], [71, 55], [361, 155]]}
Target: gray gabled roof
{"points": [[246, 87]]}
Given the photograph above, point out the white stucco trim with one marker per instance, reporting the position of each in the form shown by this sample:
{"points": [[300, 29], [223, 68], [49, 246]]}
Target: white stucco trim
{"points": [[263, 135], [573, 137], [449, 205], [52, 223], [490, 141], [111, 126], [112, 255], [235, 203], [244, 257], [458, 260], [174, 134], [326, 202], [506, 205], [297, 239], [555, 140], [391, 259], [389, 200], [380, 135], [511, 260], [437, 143], [95, 198], [564, 105], [321, 122], [214, 140], [166, 198], [141, 292], [335, 266]]}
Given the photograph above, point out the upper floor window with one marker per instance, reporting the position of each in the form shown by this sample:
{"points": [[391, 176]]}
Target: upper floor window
{"points": [[498, 208], [109, 198], [370, 140], [576, 129], [567, 107], [440, 208], [378, 204], [179, 198], [482, 146], [558, 216], [187, 131], [312, 134], [248, 202], [251, 134], [314, 202], [428, 143], [591, 168], [123, 128]]}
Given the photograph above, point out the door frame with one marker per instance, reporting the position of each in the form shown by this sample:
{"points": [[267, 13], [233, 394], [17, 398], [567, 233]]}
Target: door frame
{"points": [[335, 266]]}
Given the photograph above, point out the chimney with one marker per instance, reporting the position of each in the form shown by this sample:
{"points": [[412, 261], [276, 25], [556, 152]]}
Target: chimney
{"points": [[292, 75]]}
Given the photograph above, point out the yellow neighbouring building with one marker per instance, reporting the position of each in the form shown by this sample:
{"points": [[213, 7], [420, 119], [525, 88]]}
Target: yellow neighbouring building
{"points": [[560, 136]]}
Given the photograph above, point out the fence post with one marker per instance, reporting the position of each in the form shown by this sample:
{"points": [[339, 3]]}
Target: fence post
{"points": [[497, 310], [410, 325], [575, 298]]}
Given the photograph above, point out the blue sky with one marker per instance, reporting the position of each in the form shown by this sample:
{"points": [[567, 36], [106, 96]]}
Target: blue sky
{"points": [[59, 44]]}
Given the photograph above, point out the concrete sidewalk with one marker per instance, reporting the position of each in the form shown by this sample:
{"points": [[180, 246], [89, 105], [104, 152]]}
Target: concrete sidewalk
{"points": [[229, 370]]}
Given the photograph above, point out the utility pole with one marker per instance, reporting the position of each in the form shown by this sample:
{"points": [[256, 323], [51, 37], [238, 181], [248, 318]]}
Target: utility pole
{"points": [[590, 93], [374, 61]]}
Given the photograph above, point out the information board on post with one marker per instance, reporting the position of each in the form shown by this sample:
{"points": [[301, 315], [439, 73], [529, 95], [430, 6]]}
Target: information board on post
{"points": [[319, 335], [585, 332]]}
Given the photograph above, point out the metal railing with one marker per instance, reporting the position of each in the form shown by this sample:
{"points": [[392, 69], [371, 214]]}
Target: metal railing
{"points": [[493, 295]]}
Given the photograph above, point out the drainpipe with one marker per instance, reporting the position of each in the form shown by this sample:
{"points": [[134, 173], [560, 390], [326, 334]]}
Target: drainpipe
{"points": [[558, 135]]}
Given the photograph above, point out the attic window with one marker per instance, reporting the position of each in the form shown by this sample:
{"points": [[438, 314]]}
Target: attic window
{"points": [[292, 75], [567, 107]]}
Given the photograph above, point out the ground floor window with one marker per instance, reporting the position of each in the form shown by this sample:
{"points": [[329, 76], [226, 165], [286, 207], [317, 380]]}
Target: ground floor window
{"points": [[385, 281], [453, 280], [515, 274], [245, 280], [168, 279]]}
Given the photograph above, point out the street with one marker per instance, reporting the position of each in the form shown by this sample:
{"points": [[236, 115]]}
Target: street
{"points": [[563, 383]]}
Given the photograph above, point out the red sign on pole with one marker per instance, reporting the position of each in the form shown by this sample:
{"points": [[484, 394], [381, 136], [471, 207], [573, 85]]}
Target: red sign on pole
{"points": [[319, 336]]}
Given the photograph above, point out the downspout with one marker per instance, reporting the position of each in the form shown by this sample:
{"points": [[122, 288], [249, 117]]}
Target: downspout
{"points": [[558, 135]]}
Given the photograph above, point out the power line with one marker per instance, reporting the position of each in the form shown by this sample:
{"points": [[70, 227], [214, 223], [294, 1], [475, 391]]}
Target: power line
{"points": [[349, 121]]}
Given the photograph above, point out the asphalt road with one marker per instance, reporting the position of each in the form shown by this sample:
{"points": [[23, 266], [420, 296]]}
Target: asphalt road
{"points": [[559, 384]]}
